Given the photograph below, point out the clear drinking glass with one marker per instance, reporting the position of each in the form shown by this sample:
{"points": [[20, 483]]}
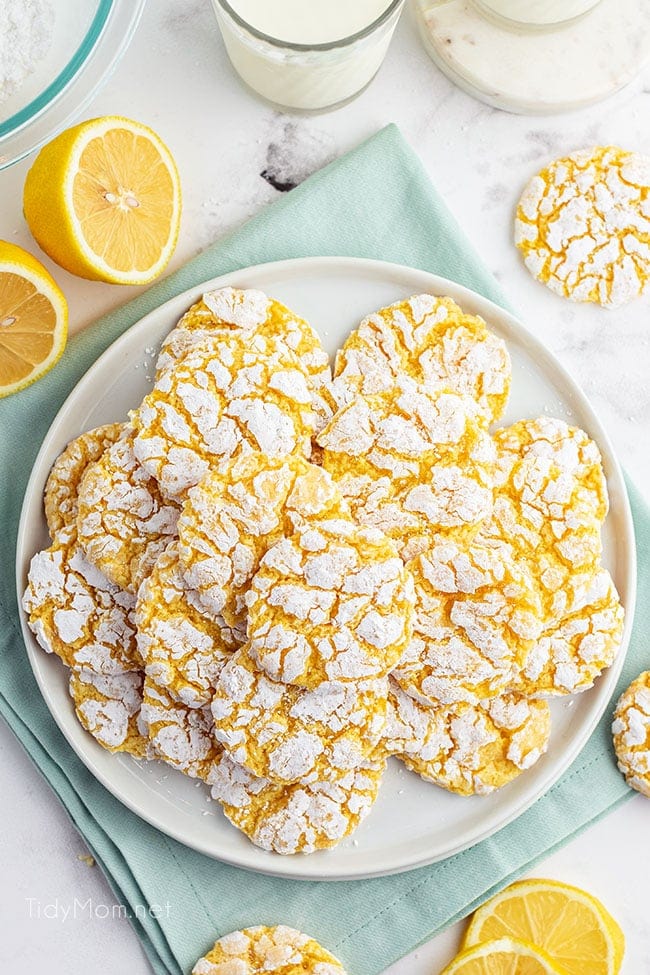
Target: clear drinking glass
{"points": [[309, 77]]}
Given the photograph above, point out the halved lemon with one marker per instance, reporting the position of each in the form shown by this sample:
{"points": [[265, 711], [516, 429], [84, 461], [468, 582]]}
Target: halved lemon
{"points": [[33, 319], [103, 200], [569, 924], [503, 956]]}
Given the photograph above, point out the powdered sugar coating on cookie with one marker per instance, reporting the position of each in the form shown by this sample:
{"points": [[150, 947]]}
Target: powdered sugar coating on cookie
{"points": [[276, 951], [233, 516], [183, 650], [469, 749], [295, 818], [123, 522], [413, 463], [583, 225], [330, 603], [432, 341], [108, 707], [76, 612], [477, 617], [179, 735], [215, 404], [290, 734], [631, 730], [67, 471]]}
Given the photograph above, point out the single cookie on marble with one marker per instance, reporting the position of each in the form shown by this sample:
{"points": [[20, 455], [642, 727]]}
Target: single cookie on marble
{"points": [[477, 617], [235, 514], [331, 603], [296, 818], [631, 731], [432, 341], [583, 226], [469, 749], [276, 950], [77, 613], [288, 734], [67, 471], [123, 522], [216, 403], [415, 464]]}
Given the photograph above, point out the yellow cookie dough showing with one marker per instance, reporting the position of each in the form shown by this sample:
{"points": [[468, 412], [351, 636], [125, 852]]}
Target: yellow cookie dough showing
{"points": [[469, 749], [233, 516], [63, 482], [123, 522], [477, 617], [274, 951], [569, 656], [295, 818], [218, 402], [631, 730], [180, 736], [432, 341], [75, 612], [108, 707], [288, 734], [550, 502], [413, 463], [244, 313], [330, 605], [182, 649], [583, 226]]}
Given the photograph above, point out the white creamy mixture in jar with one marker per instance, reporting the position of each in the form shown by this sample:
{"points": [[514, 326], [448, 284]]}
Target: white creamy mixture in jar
{"points": [[310, 77], [538, 12]]}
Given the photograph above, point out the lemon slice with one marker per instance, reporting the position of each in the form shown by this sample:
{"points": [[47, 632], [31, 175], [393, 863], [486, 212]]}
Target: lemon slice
{"points": [[103, 200], [33, 319], [570, 925], [503, 956]]}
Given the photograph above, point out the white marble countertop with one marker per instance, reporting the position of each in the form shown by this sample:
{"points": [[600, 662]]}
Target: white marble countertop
{"points": [[176, 78]]}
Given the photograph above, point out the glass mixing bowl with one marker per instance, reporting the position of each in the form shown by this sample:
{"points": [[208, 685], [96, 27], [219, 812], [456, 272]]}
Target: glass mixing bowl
{"points": [[88, 38]]}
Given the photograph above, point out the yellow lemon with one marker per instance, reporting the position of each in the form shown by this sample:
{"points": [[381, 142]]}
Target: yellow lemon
{"points": [[503, 956], [570, 925], [103, 200], [33, 319]]}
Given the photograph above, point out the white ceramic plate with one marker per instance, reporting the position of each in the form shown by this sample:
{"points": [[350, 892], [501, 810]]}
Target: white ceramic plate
{"points": [[413, 822]]}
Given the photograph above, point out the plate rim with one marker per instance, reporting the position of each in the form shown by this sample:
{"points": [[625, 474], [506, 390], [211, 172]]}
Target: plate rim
{"points": [[313, 867]]}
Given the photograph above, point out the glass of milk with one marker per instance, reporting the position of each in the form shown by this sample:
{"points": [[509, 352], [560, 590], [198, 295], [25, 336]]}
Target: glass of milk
{"points": [[307, 54], [537, 13]]}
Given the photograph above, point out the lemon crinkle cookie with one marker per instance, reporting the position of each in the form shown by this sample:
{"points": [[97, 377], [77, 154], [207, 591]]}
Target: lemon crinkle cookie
{"points": [[299, 818], [244, 313], [289, 734], [179, 735], [275, 950], [233, 516], [432, 341], [330, 605], [217, 403], [182, 649], [108, 707], [477, 617], [413, 463], [631, 730], [75, 612], [583, 225], [123, 522], [469, 749], [67, 471]]}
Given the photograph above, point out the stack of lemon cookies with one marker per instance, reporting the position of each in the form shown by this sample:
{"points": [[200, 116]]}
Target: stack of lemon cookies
{"points": [[273, 579]]}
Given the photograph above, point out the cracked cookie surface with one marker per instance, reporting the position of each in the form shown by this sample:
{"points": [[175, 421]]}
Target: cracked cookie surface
{"points": [[631, 730], [275, 950], [108, 707]]}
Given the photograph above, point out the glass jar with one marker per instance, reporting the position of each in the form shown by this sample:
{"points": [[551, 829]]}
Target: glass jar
{"points": [[537, 13], [309, 77]]}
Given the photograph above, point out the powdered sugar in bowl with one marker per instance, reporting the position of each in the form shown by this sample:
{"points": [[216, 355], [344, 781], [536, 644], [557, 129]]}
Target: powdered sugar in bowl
{"points": [[53, 59]]}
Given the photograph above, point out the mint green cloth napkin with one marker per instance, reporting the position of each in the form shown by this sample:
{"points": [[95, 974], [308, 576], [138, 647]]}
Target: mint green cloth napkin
{"points": [[375, 202]]}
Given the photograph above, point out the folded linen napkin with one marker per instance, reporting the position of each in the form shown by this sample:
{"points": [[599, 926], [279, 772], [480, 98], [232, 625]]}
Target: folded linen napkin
{"points": [[375, 202]]}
